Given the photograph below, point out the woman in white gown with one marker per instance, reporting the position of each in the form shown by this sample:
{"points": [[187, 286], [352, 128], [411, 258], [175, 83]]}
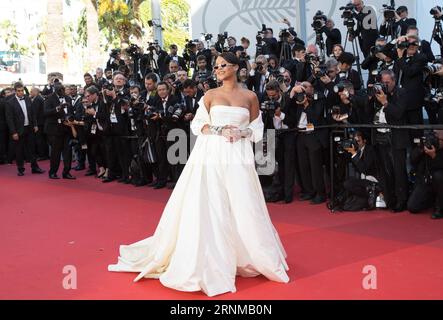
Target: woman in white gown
{"points": [[216, 224]]}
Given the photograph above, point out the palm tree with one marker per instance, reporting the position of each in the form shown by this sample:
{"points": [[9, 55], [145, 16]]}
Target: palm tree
{"points": [[93, 38], [54, 36]]}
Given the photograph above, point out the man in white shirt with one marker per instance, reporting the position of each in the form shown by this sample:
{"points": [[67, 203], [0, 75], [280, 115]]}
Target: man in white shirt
{"points": [[22, 124]]}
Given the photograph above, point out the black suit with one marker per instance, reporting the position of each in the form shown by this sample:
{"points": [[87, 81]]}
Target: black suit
{"points": [[409, 72], [59, 135], [255, 83], [366, 36], [333, 37], [391, 148], [15, 118], [42, 148], [310, 145], [400, 27], [286, 150], [116, 129], [365, 162], [162, 126], [300, 71]]}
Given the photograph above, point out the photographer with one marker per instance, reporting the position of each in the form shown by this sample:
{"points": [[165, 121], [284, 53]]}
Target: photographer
{"points": [[351, 108], [243, 57], [150, 92], [409, 70], [202, 51], [381, 58], [117, 150], [58, 114], [364, 160], [427, 158], [259, 76], [299, 66], [366, 31], [389, 107], [333, 35], [79, 114], [401, 24], [164, 115], [284, 118], [202, 72], [173, 56], [345, 71], [53, 79], [310, 141], [115, 61], [95, 117], [425, 46]]}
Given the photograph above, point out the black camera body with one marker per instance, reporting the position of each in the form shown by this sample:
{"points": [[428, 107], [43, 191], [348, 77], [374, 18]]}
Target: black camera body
{"points": [[342, 145], [389, 12], [319, 21], [133, 51], [322, 71], [376, 88], [174, 112], [434, 11], [208, 36], [430, 140], [270, 106], [244, 57]]}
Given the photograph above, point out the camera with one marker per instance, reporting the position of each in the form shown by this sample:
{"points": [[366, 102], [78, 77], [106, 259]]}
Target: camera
{"points": [[176, 111], [208, 36], [269, 106], [202, 76], [152, 46], [342, 145], [260, 67], [133, 51], [322, 71], [178, 85], [348, 11], [430, 140], [319, 21], [284, 35], [114, 53], [300, 97], [221, 38], [433, 68], [336, 111], [70, 118], [339, 87], [434, 11], [376, 88], [244, 57], [312, 58], [389, 11]]}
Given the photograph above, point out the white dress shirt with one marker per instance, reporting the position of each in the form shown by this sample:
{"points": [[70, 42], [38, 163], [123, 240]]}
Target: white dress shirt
{"points": [[24, 109]]}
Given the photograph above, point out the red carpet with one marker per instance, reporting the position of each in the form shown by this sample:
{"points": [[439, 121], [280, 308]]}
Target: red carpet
{"points": [[46, 225]]}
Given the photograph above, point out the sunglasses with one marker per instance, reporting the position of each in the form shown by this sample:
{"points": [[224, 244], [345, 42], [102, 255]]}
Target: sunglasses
{"points": [[222, 66]]}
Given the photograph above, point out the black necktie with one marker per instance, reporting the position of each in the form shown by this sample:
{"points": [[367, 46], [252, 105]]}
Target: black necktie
{"points": [[22, 98]]}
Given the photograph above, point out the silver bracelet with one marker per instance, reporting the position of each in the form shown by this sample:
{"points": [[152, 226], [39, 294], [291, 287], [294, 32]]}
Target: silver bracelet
{"points": [[217, 131]]}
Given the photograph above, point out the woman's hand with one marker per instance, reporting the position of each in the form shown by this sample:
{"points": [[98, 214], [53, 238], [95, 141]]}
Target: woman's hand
{"points": [[231, 133]]}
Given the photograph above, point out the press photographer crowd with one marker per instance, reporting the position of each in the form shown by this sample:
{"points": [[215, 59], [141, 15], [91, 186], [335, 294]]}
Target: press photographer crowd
{"points": [[351, 132]]}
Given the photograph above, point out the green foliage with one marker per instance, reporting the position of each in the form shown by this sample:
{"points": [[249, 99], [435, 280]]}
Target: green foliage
{"points": [[10, 36], [118, 20]]}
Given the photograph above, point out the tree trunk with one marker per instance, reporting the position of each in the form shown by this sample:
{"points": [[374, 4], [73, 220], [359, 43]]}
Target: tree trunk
{"points": [[54, 34], [94, 53]]}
